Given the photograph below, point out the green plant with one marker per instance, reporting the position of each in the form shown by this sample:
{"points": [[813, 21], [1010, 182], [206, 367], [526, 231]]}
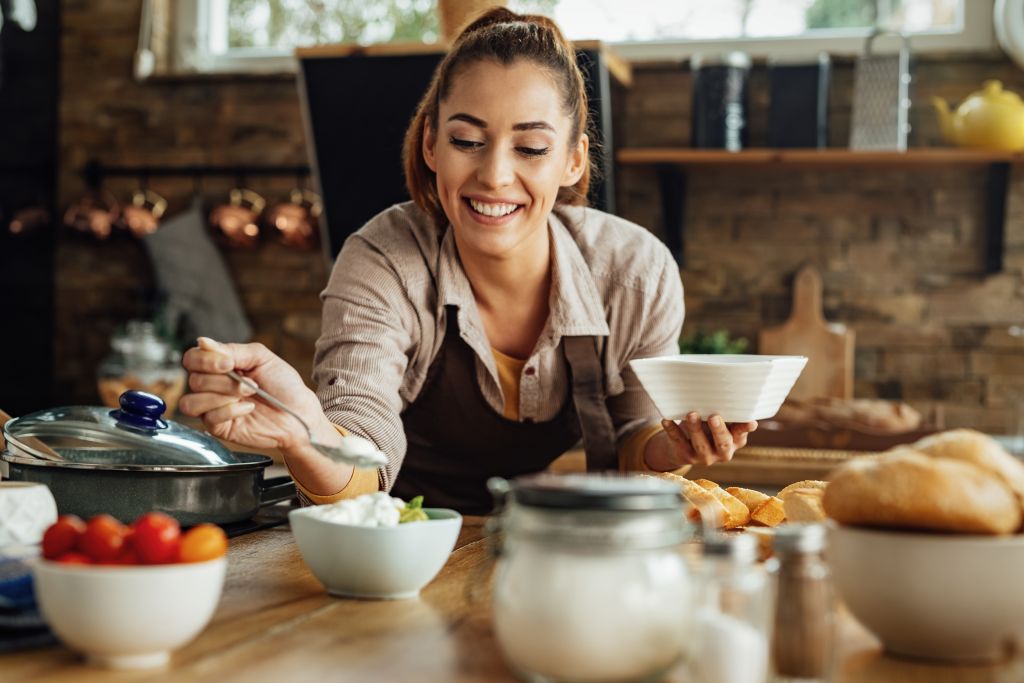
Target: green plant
{"points": [[716, 342]]}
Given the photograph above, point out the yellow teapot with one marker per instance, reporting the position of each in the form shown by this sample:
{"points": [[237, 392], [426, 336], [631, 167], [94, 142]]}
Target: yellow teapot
{"points": [[991, 118]]}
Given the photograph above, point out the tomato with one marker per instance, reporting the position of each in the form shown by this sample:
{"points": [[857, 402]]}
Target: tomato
{"points": [[203, 542], [74, 557], [127, 556], [156, 538], [103, 538], [62, 536]]}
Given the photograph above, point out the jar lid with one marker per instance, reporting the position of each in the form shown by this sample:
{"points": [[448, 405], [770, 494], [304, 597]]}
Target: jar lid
{"points": [[739, 548], [799, 538], [132, 437], [596, 492]]}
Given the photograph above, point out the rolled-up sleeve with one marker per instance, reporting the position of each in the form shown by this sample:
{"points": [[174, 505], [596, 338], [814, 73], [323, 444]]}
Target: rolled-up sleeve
{"points": [[368, 333], [656, 319]]}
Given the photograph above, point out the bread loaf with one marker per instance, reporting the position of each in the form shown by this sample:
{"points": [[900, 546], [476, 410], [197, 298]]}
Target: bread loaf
{"points": [[804, 484], [907, 489], [804, 505], [749, 497], [978, 449]]}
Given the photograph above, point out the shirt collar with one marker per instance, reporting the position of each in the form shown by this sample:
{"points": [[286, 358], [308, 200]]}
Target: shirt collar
{"points": [[576, 305]]}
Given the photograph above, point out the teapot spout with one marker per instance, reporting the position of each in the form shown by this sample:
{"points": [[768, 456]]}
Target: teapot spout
{"points": [[945, 119]]}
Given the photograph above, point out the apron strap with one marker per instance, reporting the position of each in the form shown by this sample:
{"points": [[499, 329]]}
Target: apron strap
{"points": [[589, 396]]}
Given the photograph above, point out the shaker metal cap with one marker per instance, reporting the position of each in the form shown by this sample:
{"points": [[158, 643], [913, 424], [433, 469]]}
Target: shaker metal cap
{"points": [[740, 548], [799, 538], [596, 492]]}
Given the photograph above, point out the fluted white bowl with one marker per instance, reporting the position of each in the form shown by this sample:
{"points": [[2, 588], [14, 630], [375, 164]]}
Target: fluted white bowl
{"points": [[738, 387]]}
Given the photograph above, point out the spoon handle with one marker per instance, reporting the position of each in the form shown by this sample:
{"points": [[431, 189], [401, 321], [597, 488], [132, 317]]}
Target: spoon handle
{"points": [[241, 379]]}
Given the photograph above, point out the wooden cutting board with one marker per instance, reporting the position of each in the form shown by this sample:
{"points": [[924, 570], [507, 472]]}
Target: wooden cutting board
{"points": [[828, 346]]}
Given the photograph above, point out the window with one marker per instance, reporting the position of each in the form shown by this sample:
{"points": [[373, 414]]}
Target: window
{"points": [[260, 35]]}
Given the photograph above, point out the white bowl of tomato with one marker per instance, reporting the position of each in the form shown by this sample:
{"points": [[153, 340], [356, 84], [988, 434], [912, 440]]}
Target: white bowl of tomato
{"points": [[127, 596]]}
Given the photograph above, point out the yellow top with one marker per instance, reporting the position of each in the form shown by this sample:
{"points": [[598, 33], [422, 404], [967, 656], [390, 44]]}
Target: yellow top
{"points": [[510, 370]]}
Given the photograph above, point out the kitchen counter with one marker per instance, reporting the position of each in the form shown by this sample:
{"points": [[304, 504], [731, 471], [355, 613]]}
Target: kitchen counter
{"points": [[275, 623]]}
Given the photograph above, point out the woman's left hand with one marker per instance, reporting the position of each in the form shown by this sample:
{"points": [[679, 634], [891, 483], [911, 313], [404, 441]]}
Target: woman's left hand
{"points": [[704, 443]]}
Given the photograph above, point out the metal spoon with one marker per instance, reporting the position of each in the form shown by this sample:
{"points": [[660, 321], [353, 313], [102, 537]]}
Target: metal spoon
{"points": [[355, 450]]}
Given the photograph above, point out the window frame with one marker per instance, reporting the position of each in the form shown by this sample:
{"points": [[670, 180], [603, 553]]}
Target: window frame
{"points": [[977, 34]]}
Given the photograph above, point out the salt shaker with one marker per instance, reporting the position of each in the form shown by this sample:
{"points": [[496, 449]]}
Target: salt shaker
{"points": [[804, 612], [734, 613]]}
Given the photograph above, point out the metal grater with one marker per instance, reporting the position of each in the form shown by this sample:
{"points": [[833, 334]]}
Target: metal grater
{"points": [[881, 98]]}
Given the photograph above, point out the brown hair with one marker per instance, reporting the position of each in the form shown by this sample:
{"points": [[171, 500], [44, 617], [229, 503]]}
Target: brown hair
{"points": [[503, 36]]}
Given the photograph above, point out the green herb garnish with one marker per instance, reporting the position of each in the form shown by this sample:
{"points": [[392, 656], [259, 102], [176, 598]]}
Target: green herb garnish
{"points": [[413, 511]]}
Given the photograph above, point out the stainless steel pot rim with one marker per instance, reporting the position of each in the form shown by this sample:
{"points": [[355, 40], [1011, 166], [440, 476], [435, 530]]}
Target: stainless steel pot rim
{"points": [[247, 461]]}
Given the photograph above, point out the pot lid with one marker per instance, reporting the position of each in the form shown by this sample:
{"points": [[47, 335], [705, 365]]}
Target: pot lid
{"points": [[596, 492], [135, 435]]}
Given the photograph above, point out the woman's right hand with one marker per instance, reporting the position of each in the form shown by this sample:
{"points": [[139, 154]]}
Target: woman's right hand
{"points": [[229, 409]]}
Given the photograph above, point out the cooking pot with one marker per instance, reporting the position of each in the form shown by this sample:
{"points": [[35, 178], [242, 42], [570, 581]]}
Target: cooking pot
{"points": [[129, 461]]}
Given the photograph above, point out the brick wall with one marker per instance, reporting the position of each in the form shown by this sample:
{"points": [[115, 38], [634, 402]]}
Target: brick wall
{"points": [[901, 250]]}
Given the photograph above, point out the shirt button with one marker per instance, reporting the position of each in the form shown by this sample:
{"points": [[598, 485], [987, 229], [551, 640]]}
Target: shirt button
{"points": [[530, 371], [332, 381]]}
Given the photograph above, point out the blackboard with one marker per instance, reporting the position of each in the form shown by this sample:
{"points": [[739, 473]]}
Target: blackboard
{"points": [[356, 108]]}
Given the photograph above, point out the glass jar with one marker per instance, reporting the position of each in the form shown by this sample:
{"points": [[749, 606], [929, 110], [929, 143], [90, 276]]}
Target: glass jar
{"points": [[592, 582], [804, 612], [140, 360], [734, 613]]}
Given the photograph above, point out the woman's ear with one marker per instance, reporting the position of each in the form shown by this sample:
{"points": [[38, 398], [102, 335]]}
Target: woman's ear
{"points": [[429, 140], [578, 159]]}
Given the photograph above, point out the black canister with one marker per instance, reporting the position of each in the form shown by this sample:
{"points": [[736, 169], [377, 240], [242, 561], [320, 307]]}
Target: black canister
{"points": [[720, 87]]}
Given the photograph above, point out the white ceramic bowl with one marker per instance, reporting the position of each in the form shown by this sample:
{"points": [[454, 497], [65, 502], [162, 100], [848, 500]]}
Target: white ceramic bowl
{"points": [[131, 616], [739, 387], [939, 596], [376, 562]]}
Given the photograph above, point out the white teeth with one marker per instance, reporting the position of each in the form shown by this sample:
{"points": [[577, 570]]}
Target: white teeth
{"points": [[495, 210]]}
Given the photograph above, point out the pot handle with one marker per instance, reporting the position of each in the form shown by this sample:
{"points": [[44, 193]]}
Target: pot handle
{"points": [[276, 489]]}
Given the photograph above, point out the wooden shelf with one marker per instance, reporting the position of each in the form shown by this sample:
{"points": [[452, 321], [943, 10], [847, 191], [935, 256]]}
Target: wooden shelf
{"points": [[673, 164], [683, 156]]}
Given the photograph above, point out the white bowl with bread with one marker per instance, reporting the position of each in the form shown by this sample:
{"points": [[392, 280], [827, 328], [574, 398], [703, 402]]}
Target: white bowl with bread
{"points": [[926, 549], [738, 387]]}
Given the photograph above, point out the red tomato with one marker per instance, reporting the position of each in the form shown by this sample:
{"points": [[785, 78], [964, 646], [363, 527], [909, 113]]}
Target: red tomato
{"points": [[156, 538], [62, 536], [74, 557], [203, 542], [127, 556], [103, 538]]}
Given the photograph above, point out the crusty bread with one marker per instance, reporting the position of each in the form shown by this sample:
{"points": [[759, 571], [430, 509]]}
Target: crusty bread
{"points": [[803, 484], [907, 489], [769, 513], [804, 505], [706, 484], [978, 449], [749, 497], [711, 502]]}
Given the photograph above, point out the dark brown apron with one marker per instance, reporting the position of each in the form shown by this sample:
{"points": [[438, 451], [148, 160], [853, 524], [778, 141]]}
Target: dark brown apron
{"points": [[456, 441]]}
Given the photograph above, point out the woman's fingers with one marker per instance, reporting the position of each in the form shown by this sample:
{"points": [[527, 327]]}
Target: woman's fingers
{"points": [[218, 384], [739, 432], [724, 444], [198, 359], [702, 446], [228, 412], [198, 405], [680, 443]]}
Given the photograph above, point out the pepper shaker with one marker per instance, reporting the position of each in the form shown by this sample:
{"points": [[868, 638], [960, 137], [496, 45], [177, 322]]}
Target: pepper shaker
{"points": [[804, 611]]}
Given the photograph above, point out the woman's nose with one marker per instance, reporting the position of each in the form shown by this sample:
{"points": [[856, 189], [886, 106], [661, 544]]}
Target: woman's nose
{"points": [[496, 170]]}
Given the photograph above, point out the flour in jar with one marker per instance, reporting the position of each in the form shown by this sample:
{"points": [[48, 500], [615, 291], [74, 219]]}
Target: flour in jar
{"points": [[371, 509]]}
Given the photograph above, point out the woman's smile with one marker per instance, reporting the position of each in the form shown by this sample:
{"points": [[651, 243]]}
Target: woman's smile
{"points": [[492, 212]]}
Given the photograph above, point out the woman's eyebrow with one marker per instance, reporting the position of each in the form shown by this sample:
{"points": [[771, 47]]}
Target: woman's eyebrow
{"points": [[480, 123]]}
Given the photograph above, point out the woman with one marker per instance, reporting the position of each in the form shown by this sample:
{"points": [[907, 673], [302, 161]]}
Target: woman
{"points": [[483, 328]]}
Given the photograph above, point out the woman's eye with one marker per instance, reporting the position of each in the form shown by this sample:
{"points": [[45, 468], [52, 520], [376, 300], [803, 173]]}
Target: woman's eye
{"points": [[465, 144], [533, 151]]}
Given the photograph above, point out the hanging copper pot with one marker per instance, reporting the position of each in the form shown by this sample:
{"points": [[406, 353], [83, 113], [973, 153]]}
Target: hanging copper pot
{"points": [[29, 219], [142, 216], [94, 214], [296, 221], [238, 220]]}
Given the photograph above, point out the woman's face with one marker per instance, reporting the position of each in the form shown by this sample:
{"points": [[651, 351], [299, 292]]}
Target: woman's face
{"points": [[501, 152]]}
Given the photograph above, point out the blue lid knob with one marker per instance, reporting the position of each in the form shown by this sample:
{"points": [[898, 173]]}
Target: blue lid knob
{"points": [[140, 410]]}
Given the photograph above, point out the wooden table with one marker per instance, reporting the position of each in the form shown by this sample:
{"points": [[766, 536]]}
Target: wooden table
{"points": [[275, 623]]}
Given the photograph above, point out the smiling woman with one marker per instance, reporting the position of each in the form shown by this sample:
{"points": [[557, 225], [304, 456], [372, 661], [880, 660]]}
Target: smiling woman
{"points": [[485, 327]]}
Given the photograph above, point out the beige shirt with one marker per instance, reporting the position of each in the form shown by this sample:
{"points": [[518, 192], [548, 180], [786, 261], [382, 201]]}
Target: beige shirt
{"points": [[384, 320]]}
